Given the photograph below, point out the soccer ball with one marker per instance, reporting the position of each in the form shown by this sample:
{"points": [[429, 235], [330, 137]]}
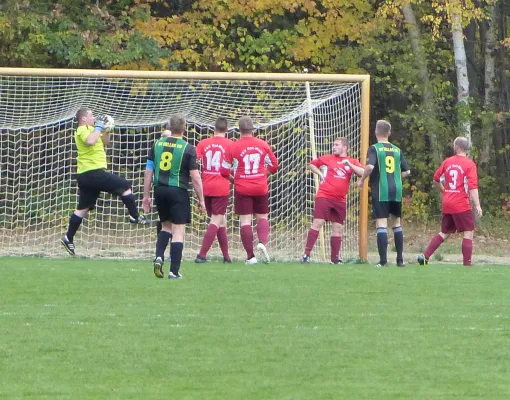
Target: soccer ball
{"points": [[109, 123]]}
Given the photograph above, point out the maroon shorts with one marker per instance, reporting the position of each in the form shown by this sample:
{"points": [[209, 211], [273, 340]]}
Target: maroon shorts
{"points": [[330, 210], [460, 222], [216, 204], [245, 204]]}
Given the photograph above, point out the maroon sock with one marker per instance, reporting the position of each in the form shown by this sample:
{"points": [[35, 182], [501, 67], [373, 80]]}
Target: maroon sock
{"points": [[223, 241], [467, 251], [263, 230], [247, 240], [435, 242], [336, 243], [311, 238], [207, 241]]}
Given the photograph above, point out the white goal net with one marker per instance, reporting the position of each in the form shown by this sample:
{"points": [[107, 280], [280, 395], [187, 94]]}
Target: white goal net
{"points": [[38, 156]]}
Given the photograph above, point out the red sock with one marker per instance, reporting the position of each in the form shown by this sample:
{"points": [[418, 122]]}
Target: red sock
{"points": [[311, 238], [467, 251], [336, 243], [223, 241], [435, 242], [263, 230], [207, 241], [247, 240]]}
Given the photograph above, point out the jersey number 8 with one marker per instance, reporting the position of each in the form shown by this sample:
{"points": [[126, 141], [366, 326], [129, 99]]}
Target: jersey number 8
{"points": [[166, 161]]}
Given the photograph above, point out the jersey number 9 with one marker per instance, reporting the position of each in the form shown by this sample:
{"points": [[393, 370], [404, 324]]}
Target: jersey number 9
{"points": [[390, 164]]}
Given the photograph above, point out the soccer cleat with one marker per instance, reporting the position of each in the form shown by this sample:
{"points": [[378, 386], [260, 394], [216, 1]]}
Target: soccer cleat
{"points": [[158, 267], [305, 259], [200, 260], [264, 255], [380, 265], [251, 261], [141, 220], [422, 260], [171, 275], [227, 260], [69, 246], [337, 262], [401, 264]]}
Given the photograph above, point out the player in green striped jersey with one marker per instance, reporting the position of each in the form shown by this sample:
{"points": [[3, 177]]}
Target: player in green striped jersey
{"points": [[172, 162], [386, 166]]}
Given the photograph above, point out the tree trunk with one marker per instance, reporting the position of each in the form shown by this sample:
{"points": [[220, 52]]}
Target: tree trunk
{"points": [[459, 54], [427, 97]]}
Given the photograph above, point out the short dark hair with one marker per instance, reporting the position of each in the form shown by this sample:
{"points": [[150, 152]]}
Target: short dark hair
{"points": [[462, 143], [221, 124], [177, 124], [383, 127], [245, 124], [81, 113], [344, 141]]}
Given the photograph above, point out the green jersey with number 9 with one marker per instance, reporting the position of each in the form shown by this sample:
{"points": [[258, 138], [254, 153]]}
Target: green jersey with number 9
{"points": [[386, 178]]}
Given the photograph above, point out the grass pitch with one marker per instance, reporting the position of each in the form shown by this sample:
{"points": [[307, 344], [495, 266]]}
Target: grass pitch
{"points": [[87, 329]]}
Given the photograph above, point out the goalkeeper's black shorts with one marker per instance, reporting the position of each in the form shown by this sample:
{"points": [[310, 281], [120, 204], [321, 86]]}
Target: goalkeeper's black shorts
{"points": [[92, 183]]}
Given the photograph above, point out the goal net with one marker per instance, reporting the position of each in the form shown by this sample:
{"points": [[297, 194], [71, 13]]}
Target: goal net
{"points": [[299, 115]]}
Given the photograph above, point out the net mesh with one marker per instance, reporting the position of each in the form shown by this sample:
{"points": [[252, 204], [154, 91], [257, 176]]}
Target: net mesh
{"points": [[38, 158]]}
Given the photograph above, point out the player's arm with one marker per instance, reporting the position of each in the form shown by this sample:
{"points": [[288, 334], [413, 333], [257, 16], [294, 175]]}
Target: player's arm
{"points": [[105, 137], [196, 179], [147, 182], [404, 167], [226, 165], [93, 137], [315, 165], [437, 179], [472, 182], [270, 161], [371, 162], [355, 166]]}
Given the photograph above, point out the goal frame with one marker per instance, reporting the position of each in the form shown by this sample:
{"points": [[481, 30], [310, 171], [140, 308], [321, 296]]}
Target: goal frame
{"points": [[364, 80]]}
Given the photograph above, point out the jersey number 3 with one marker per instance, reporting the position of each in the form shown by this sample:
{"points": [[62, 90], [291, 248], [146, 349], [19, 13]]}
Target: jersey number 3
{"points": [[166, 161]]}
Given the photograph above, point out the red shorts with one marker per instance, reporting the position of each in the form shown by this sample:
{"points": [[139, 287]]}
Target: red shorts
{"points": [[216, 204], [245, 204], [460, 222], [330, 210]]}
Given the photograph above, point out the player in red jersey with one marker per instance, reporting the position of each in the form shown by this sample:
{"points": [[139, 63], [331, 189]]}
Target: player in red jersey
{"points": [[252, 161], [461, 183], [335, 171], [211, 152]]}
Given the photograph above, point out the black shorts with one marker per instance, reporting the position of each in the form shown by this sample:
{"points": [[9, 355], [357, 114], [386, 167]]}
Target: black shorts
{"points": [[383, 209], [92, 183], [173, 204]]}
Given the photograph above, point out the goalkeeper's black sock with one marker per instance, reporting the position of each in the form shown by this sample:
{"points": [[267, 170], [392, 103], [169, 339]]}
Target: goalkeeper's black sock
{"points": [[130, 203], [398, 235], [162, 243], [382, 245], [74, 224], [176, 256]]}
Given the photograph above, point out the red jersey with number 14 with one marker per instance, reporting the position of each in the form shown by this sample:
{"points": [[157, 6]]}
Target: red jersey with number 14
{"points": [[337, 176], [250, 157], [460, 176], [211, 152]]}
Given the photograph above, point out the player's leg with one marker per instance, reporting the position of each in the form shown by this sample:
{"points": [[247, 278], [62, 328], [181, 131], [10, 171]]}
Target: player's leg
{"points": [[74, 224], [243, 206], [312, 236], [465, 223], [176, 249], [210, 232], [162, 199], [180, 215], [223, 239], [263, 236], [447, 228], [337, 218], [381, 212], [398, 233]]}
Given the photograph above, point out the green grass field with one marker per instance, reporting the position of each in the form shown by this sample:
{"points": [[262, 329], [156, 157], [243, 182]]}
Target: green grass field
{"points": [[97, 329]]}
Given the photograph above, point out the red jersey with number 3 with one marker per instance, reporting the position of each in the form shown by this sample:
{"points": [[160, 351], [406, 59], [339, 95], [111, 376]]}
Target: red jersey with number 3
{"points": [[337, 176], [250, 157], [460, 176], [211, 152]]}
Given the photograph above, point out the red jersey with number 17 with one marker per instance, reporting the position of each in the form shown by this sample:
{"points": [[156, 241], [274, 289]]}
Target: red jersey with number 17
{"points": [[337, 176], [211, 152], [250, 157], [460, 176]]}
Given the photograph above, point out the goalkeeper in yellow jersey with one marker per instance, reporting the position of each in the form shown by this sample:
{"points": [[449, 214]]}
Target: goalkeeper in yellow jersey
{"points": [[91, 137]]}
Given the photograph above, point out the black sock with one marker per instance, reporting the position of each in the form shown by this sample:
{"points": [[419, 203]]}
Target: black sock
{"points": [[176, 256], [158, 229], [130, 204], [382, 245], [162, 243], [398, 235], [74, 224]]}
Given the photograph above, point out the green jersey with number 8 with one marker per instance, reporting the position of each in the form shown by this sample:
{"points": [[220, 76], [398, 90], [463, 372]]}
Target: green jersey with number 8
{"points": [[386, 178]]}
